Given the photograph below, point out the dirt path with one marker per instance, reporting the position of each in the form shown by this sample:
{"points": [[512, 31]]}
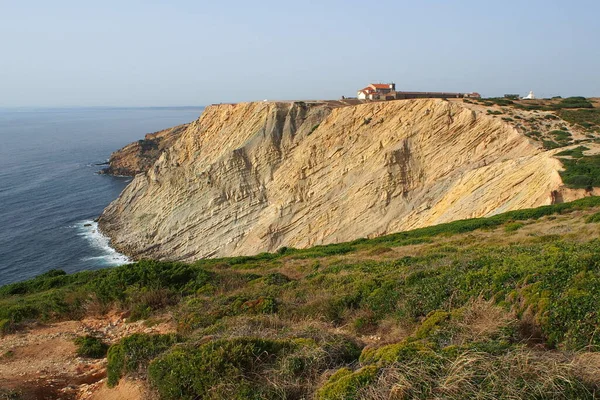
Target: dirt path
{"points": [[40, 362]]}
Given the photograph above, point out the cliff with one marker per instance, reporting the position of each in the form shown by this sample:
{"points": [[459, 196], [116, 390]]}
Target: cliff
{"points": [[138, 157], [254, 177]]}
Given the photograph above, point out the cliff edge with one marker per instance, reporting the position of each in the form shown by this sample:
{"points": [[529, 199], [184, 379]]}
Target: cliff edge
{"points": [[254, 177], [138, 157]]}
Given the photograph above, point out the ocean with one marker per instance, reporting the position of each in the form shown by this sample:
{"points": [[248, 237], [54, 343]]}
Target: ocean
{"points": [[50, 191]]}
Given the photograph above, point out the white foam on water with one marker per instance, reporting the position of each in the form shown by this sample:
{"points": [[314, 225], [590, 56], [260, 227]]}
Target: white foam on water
{"points": [[110, 257]]}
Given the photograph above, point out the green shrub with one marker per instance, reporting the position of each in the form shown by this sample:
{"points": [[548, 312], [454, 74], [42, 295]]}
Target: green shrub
{"points": [[397, 352], [49, 280], [90, 346], [117, 283], [324, 251], [226, 368], [583, 172], [534, 134], [141, 287], [575, 102], [345, 384], [575, 153], [594, 218], [513, 226], [502, 102], [276, 279], [133, 353], [433, 321], [587, 118], [6, 327], [561, 137]]}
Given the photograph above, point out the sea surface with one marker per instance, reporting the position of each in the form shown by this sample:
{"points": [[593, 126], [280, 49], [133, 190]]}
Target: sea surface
{"points": [[50, 191]]}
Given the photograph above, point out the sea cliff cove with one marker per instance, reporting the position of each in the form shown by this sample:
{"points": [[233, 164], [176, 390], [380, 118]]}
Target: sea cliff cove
{"points": [[273, 201]]}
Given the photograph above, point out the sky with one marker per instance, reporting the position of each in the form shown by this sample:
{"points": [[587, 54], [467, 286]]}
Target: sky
{"points": [[171, 53]]}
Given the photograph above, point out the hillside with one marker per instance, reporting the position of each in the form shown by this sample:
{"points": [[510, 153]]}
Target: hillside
{"points": [[255, 177], [493, 308]]}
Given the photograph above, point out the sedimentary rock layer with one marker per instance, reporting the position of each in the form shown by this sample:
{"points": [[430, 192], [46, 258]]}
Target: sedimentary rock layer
{"points": [[138, 157], [253, 177]]}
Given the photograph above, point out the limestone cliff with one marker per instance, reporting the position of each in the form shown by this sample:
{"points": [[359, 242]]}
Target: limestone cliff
{"points": [[138, 157], [253, 177]]}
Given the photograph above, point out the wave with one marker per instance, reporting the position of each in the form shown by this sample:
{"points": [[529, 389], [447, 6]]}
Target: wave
{"points": [[109, 257]]}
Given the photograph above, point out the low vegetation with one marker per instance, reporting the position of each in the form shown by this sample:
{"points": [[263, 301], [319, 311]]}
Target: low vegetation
{"points": [[555, 104], [588, 118], [499, 307], [580, 171], [554, 123], [575, 152], [90, 346], [133, 353]]}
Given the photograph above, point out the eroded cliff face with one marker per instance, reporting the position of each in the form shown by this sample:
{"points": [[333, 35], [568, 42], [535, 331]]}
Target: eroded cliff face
{"points": [[253, 177], [138, 157]]}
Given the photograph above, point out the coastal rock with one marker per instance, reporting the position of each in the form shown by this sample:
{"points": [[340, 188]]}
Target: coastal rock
{"points": [[138, 157], [253, 177]]}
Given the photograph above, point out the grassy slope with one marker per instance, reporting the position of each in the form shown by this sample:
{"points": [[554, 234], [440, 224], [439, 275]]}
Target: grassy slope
{"points": [[501, 307], [547, 119]]}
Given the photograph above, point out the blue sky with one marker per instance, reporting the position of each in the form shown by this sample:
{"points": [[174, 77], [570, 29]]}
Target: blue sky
{"points": [[167, 53]]}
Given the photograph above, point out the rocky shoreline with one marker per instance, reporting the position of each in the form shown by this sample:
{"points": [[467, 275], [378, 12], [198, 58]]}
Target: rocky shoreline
{"points": [[139, 156]]}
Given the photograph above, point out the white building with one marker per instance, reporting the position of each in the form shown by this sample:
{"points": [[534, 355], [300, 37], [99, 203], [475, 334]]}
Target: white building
{"points": [[374, 90]]}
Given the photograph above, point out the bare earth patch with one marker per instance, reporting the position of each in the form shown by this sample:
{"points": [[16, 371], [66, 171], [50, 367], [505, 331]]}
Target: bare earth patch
{"points": [[40, 362]]}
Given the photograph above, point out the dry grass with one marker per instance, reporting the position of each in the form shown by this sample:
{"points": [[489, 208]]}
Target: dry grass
{"points": [[482, 318], [520, 374]]}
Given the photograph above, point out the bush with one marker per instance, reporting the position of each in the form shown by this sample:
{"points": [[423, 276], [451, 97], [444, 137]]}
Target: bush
{"points": [[583, 172], [226, 368], [345, 384], [594, 218], [91, 347], [397, 352], [142, 288], [587, 118], [561, 137], [324, 251], [513, 226], [575, 102], [49, 280], [133, 353], [575, 153], [6, 327], [276, 279]]}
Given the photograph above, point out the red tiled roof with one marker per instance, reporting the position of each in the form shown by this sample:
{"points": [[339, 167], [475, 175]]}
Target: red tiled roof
{"points": [[367, 90], [380, 85]]}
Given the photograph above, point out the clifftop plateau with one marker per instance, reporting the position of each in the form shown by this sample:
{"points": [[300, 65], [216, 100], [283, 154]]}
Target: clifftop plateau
{"points": [[254, 177]]}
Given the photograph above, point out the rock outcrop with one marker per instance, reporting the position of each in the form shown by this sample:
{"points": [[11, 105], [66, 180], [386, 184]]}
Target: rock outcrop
{"points": [[253, 177], [138, 157]]}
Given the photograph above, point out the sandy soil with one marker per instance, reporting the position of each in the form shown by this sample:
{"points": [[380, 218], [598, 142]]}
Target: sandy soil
{"points": [[40, 362]]}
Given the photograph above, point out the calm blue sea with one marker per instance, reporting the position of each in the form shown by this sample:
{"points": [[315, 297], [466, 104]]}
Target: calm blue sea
{"points": [[50, 189]]}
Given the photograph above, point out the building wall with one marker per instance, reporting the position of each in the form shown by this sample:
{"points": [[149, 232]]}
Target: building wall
{"points": [[427, 95]]}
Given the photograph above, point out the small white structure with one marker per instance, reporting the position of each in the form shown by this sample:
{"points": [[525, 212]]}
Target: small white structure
{"points": [[530, 96]]}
